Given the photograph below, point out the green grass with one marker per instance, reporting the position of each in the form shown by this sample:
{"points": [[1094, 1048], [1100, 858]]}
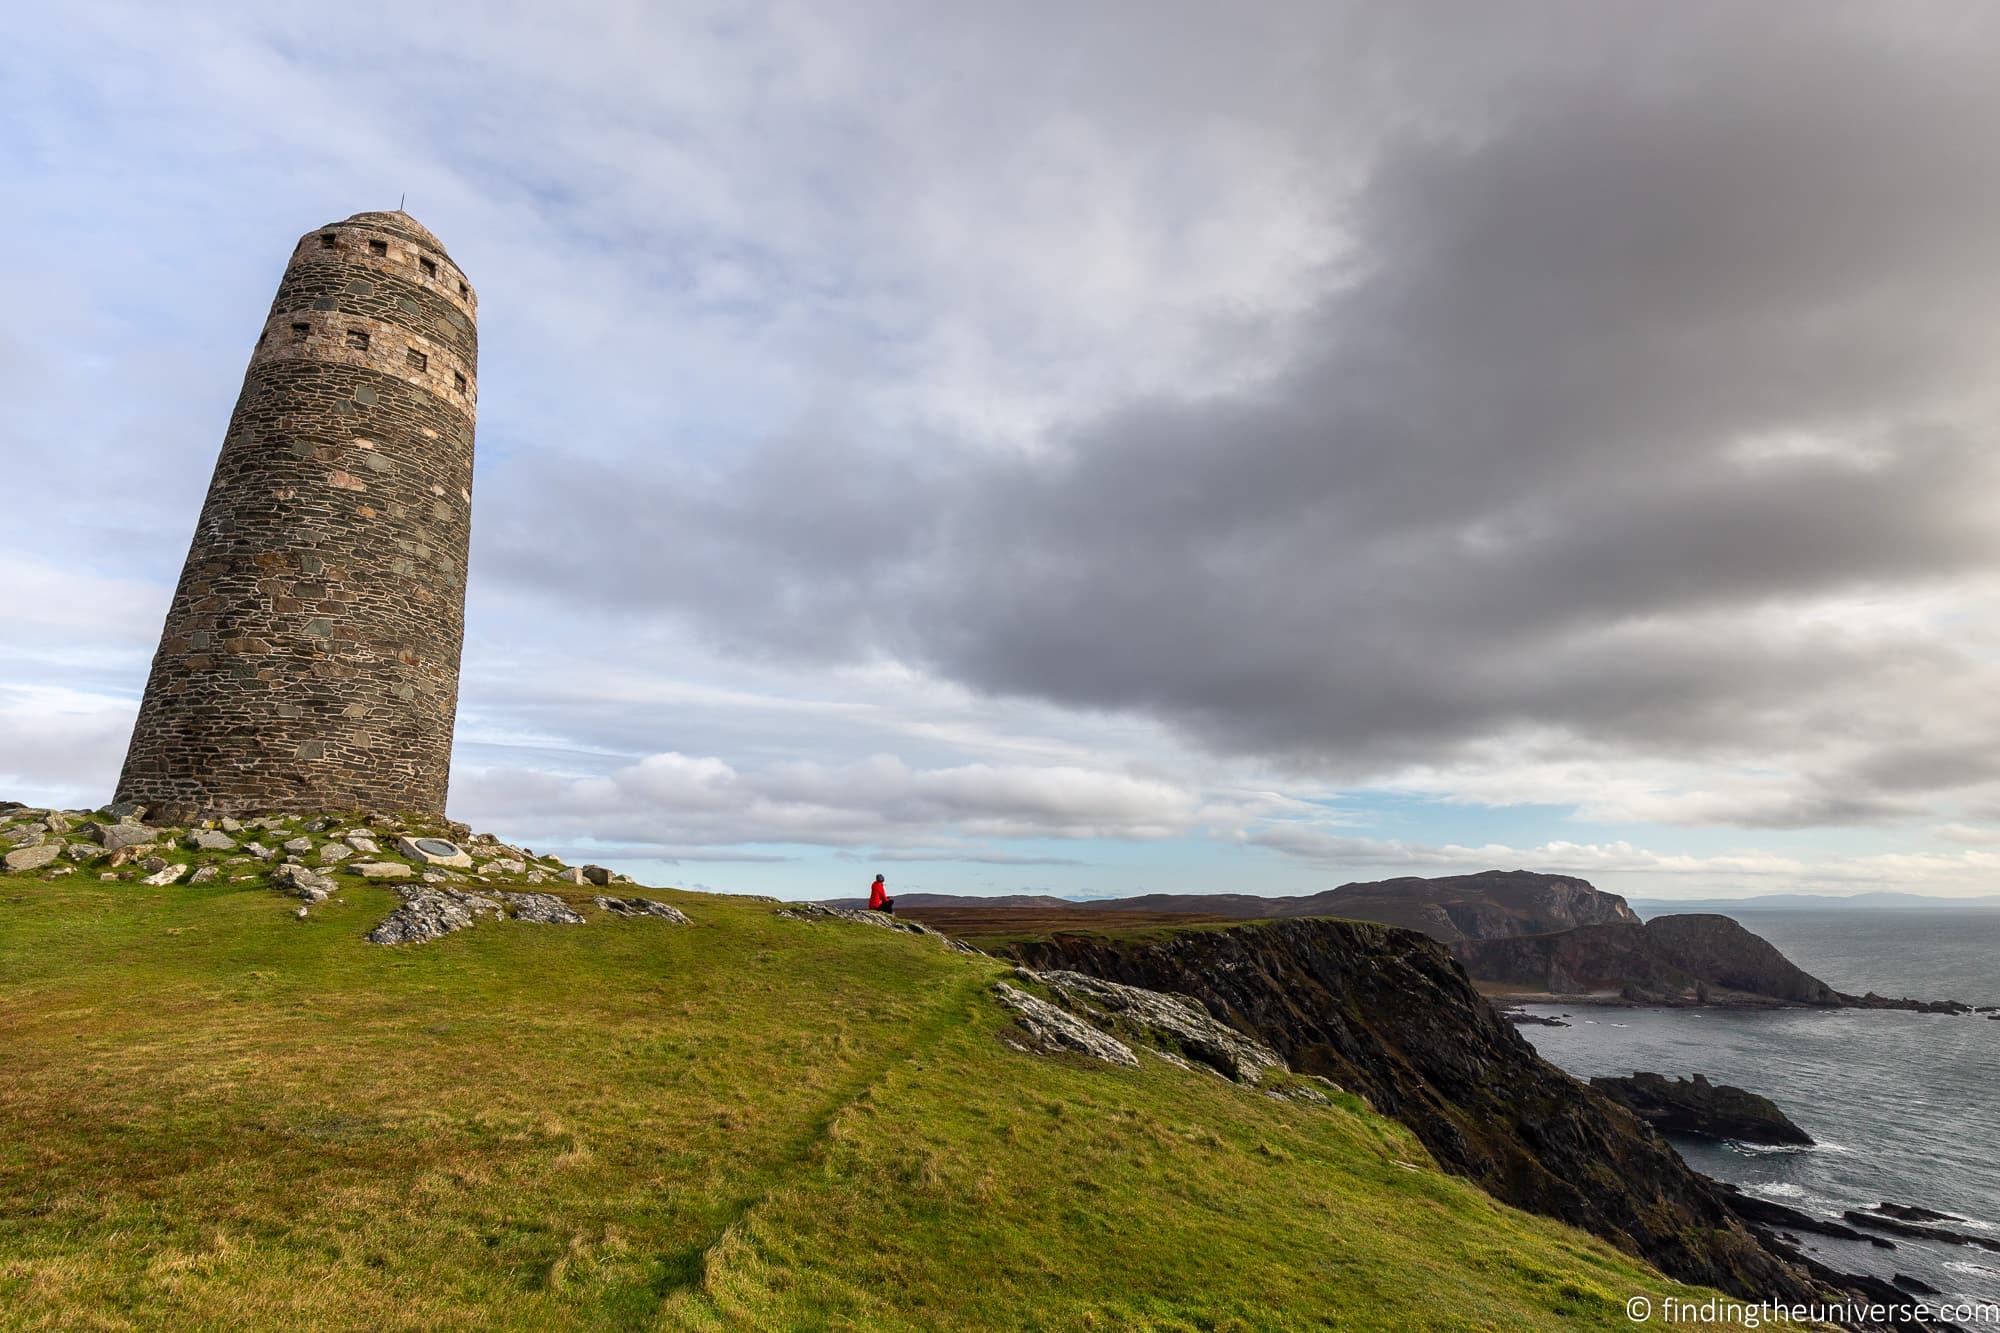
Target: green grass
{"points": [[215, 1116]]}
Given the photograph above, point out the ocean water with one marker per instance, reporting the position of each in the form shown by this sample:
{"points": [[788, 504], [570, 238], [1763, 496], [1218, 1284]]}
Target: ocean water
{"points": [[1905, 1107]]}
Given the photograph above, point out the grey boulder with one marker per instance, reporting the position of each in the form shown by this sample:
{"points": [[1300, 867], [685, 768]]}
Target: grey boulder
{"points": [[121, 834], [308, 884], [28, 858]]}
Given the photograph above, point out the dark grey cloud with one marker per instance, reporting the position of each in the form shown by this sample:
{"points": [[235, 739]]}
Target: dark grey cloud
{"points": [[1651, 345]]}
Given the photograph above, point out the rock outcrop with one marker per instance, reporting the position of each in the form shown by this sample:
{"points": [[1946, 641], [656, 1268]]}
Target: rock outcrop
{"points": [[1386, 1013], [1881, 1220], [1695, 959], [1173, 1022], [640, 907], [541, 908], [432, 913], [1051, 1031], [1696, 1106], [1772, 1219]]}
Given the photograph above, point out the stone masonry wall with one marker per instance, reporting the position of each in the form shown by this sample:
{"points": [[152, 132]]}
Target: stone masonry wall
{"points": [[310, 655]]}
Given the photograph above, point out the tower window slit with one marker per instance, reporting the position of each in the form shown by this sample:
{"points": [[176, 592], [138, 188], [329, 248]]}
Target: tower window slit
{"points": [[357, 339], [429, 266], [378, 248], [417, 360]]}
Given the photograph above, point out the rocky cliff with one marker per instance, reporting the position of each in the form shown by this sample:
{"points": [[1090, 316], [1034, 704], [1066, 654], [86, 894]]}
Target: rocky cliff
{"points": [[1696, 959], [1387, 1013]]}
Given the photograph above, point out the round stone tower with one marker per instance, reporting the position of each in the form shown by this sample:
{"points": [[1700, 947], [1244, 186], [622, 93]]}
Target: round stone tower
{"points": [[310, 657]]}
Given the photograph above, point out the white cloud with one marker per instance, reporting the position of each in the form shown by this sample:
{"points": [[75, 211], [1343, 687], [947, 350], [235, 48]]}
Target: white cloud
{"points": [[680, 800]]}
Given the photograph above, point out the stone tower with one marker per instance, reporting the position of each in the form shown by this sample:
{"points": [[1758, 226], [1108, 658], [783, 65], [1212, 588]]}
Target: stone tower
{"points": [[310, 657]]}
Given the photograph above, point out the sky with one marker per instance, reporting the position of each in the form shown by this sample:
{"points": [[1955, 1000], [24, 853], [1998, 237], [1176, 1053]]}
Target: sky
{"points": [[1089, 448]]}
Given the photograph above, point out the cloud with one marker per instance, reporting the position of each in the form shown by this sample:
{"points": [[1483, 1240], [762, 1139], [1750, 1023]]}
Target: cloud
{"points": [[1625, 394], [668, 801], [59, 745]]}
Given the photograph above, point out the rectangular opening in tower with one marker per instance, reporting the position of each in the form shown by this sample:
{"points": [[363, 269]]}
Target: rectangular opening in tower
{"points": [[417, 360], [429, 266], [327, 241], [378, 248], [357, 339], [299, 332], [458, 381]]}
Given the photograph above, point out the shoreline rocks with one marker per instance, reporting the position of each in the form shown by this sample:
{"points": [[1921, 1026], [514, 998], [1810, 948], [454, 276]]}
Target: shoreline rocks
{"points": [[1696, 1106], [1877, 1221], [1770, 1216]]}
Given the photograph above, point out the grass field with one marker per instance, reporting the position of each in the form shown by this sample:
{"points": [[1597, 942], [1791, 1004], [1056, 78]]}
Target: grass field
{"points": [[215, 1116]]}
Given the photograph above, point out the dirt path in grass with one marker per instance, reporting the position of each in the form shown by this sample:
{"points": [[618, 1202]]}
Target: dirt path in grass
{"points": [[688, 1276]]}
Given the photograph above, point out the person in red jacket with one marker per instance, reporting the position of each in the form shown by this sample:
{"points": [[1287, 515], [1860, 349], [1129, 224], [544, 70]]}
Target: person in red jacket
{"points": [[879, 899]]}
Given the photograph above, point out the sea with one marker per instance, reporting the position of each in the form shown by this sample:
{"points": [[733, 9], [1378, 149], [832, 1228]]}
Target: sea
{"points": [[1904, 1107]]}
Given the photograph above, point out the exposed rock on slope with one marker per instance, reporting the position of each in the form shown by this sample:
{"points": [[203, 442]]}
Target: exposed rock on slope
{"points": [[432, 913], [1386, 1013], [1050, 1030], [1696, 1106], [640, 907], [1171, 1021]]}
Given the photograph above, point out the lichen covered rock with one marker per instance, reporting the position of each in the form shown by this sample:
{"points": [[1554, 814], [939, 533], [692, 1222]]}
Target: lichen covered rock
{"points": [[1052, 1031], [542, 908], [1174, 1021], [432, 913], [640, 907]]}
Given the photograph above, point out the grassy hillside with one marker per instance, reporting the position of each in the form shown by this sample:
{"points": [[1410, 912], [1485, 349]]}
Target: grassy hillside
{"points": [[214, 1115]]}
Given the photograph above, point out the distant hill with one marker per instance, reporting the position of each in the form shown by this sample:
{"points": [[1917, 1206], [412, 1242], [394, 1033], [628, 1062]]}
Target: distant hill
{"points": [[1491, 904], [1817, 902]]}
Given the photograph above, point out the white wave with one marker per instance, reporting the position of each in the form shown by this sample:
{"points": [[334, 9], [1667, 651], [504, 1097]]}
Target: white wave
{"points": [[1963, 1266], [1765, 1149], [1785, 1149]]}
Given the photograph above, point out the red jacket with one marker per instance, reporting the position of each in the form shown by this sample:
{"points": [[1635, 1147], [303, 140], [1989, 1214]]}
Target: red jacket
{"points": [[877, 894]]}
